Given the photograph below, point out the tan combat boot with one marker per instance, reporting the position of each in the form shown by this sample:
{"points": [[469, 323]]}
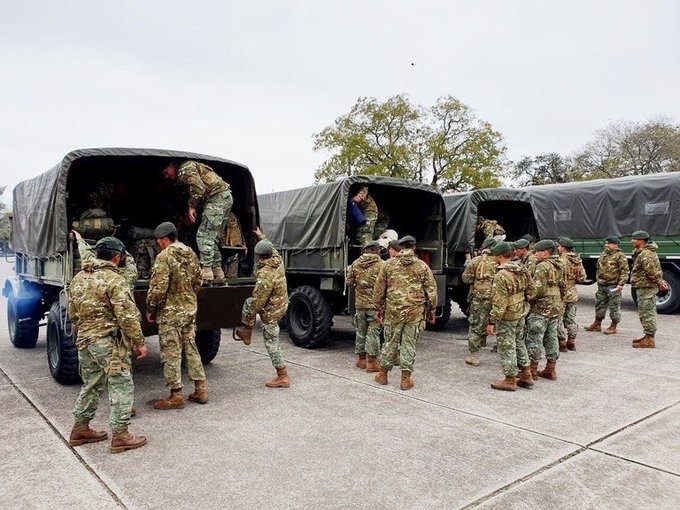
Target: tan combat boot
{"points": [[595, 326], [406, 381], [507, 384], [217, 272], [123, 440], [472, 360], [533, 368], [81, 433], [361, 361], [207, 274], [243, 334], [563, 344], [571, 343], [646, 343], [638, 340], [174, 401], [200, 394], [133, 412], [611, 330], [381, 377], [549, 371], [525, 379], [281, 381], [372, 364]]}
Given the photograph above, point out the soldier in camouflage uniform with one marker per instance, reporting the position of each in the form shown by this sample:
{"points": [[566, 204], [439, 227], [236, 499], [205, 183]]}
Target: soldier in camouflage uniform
{"points": [[206, 189], [490, 228], [612, 274], [646, 278], [545, 297], [270, 301], [88, 257], [405, 294], [172, 303], [370, 210], [508, 309], [478, 274], [361, 277], [105, 319], [524, 255], [532, 241], [574, 273]]}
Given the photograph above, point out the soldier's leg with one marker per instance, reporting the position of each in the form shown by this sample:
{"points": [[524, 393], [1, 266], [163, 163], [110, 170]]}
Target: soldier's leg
{"points": [[647, 310], [94, 379], [121, 396], [208, 232], [244, 311], [408, 341], [561, 326], [602, 298], [270, 332], [365, 233], [392, 334], [550, 342], [570, 320], [227, 201], [507, 348], [536, 327], [193, 358], [373, 334], [477, 325], [361, 325], [170, 339], [520, 344], [615, 306]]}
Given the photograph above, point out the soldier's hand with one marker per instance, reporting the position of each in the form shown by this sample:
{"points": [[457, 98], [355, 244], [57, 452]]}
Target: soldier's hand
{"points": [[191, 216], [491, 330], [76, 234], [663, 286], [379, 315], [141, 352], [150, 317], [431, 317], [257, 232]]}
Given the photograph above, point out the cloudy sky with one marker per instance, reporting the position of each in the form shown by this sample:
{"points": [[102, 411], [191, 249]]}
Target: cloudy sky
{"points": [[252, 81]]}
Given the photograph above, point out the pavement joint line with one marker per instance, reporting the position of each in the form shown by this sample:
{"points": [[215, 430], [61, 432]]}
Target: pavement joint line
{"points": [[633, 461], [54, 429]]}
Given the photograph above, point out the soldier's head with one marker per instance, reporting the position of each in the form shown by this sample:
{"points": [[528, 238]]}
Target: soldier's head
{"points": [[502, 252], [359, 194], [564, 245], [165, 234], [109, 248], [407, 243], [520, 247], [489, 243], [529, 237], [393, 248], [264, 249], [544, 249], [372, 247], [170, 171], [612, 242], [640, 238]]}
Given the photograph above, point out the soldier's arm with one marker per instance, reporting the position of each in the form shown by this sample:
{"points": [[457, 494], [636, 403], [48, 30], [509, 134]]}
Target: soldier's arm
{"points": [[380, 288], [125, 310], [470, 270], [130, 270], [158, 285], [623, 269], [351, 277], [652, 269], [86, 252], [535, 290], [189, 176], [195, 272], [499, 299], [261, 292], [430, 286], [581, 273]]}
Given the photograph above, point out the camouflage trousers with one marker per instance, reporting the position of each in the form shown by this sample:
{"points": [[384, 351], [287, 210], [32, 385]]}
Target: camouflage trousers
{"points": [[175, 341], [570, 328], [270, 333], [646, 304], [105, 364], [365, 233], [512, 349], [542, 333], [380, 227], [605, 298], [368, 333], [401, 336], [213, 221], [478, 320]]}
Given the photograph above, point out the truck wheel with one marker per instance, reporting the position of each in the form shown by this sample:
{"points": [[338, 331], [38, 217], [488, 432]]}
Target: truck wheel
{"points": [[62, 354], [669, 302], [309, 317], [440, 322], [22, 322], [208, 344]]}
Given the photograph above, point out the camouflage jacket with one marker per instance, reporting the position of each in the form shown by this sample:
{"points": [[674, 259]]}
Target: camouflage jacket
{"points": [[202, 181], [508, 293], [270, 295], [404, 286], [573, 273], [479, 273], [547, 288], [100, 305], [88, 257], [361, 276], [492, 228], [175, 279], [367, 203], [612, 268], [646, 272], [529, 262]]}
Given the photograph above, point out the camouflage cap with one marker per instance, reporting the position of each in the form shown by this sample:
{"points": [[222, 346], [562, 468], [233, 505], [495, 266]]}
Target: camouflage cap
{"points": [[565, 242], [372, 245], [407, 240], [546, 244], [110, 243], [520, 243], [164, 230], [529, 237], [613, 240], [264, 247], [640, 234], [501, 248], [488, 243]]}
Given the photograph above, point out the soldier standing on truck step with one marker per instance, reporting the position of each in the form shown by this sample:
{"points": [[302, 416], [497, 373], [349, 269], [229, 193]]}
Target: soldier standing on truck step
{"points": [[573, 273], [611, 275], [104, 319], [172, 303], [206, 189], [646, 278], [361, 276]]}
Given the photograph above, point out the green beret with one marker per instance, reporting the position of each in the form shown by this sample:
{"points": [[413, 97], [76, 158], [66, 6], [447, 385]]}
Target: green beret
{"points": [[501, 248], [520, 243], [565, 242], [640, 234], [264, 247], [529, 238], [613, 240], [546, 244], [110, 243], [372, 245], [394, 244], [488, 243], [164, 230], [407, 240]]}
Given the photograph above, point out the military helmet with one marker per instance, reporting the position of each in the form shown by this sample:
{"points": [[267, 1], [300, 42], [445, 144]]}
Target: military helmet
{"points": [[164, 230], [110, 243], [264, 248]]}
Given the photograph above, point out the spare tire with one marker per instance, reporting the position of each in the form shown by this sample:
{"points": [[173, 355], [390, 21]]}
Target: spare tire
{"points": [[208, 344], [309, 317], [62, 354]]}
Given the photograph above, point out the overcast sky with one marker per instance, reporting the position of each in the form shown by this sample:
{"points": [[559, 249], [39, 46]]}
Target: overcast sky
{"points": [[252, 81]]}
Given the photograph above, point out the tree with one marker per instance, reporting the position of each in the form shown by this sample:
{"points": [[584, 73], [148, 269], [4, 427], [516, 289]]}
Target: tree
{"points": [[4, 221], [546, 168]]}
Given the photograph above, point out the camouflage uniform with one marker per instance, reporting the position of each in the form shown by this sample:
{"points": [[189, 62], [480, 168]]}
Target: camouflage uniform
{"points": [[206, 188], [545, 296], [491, 228], [361, 276], [573, 273], [88, 257], [101, 309], [402, 289], [529, 262], [508, 309], [370, 210], [645, 277], [172, 301], [479, 274], [612, 271], [233, 237]]}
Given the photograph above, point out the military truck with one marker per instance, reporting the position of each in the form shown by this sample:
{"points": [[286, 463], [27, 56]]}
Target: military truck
{"points": [[310, 228], [129, 187]]}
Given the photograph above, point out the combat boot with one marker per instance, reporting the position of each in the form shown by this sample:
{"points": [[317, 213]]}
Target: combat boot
{"points": [[200, 394], [507, 384], [133, 412], [638, 340], [406, 381], [81, 433], [218, 273], [482, 342], [571, 343], [122, 441], [533, 368], [372, 364], [207, 274], [472, 360], [563, 344], [174, 401], [381, 377], [549, 371], [611, 330], [281, 381], [646, 343], [361, 361], [595, 326], [525, 379], [243, 334]]}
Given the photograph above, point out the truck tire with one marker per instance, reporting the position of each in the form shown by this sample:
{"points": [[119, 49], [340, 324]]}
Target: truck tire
{"points": [[309, 317], [208, 344], [440, 322], [62, 354], [670, 301], [22, 322]]}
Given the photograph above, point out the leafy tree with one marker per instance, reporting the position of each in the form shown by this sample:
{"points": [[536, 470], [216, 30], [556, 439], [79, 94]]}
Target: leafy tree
{"points": [[4, 221], [546, 168]]}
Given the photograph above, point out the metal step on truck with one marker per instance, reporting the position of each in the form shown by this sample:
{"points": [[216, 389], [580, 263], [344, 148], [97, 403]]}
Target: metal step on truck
{"points": [[127, 189], [311, 229]]}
